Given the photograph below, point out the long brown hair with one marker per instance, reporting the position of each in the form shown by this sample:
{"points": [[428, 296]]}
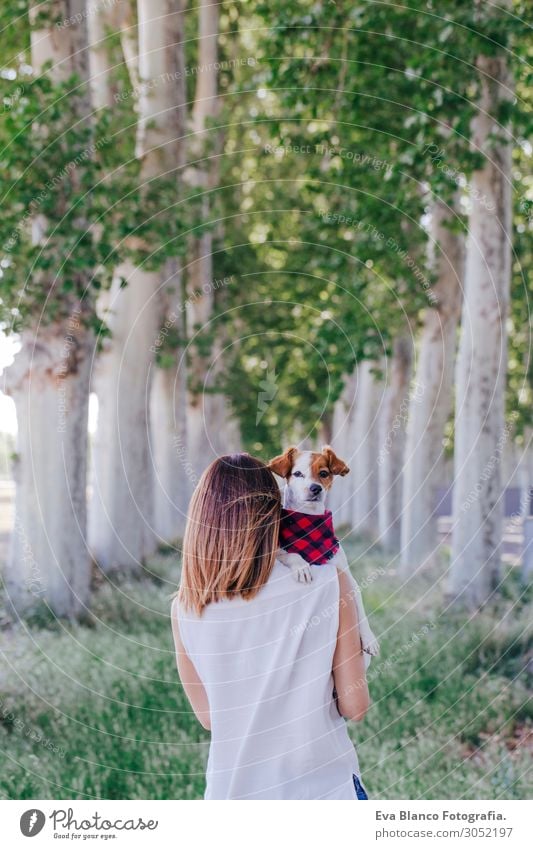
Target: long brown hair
{"points": [[232, 532]]}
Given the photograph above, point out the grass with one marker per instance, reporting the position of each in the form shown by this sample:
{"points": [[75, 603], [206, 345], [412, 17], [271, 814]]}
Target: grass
{"points": [[96, 710]]}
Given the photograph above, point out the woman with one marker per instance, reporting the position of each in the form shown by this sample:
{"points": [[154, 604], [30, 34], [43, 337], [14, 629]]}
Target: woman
{"points": [[270, 666]]}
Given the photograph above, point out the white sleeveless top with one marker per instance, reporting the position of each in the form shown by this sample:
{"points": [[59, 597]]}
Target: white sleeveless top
{"points": [[266, 665]]}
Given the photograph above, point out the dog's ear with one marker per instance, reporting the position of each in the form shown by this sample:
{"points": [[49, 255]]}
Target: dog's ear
{"points": [[336, 465], [282, 465]]}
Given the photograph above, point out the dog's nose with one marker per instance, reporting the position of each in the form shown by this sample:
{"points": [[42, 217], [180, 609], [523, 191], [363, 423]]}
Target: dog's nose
{"points": [[315, 488]]}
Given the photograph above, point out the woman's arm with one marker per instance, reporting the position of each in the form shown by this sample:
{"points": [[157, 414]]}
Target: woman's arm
{"points": [[348, 664], [194, 689]]}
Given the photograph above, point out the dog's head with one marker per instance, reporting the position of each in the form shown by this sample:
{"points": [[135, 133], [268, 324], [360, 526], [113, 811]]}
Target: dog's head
{"points": [[309, 474]]}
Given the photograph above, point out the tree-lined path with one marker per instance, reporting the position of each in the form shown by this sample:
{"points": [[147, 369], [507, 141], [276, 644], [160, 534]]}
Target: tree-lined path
{"points": [[240, 226]]}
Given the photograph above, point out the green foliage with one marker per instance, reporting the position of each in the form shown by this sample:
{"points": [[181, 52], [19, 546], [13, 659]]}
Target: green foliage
{"points": [[77, 179], [49, 168], [519, 399], [340, 131], [340, 124], [14, 31]]}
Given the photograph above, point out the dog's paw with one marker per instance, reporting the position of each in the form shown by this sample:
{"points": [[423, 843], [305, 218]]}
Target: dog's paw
{"points": [[302, 574], [370, 644]]}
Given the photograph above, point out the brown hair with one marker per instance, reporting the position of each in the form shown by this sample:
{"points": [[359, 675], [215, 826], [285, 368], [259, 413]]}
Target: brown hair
{"points": [[232, 532]]}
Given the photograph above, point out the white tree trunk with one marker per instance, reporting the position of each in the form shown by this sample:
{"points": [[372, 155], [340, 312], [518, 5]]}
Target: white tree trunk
{"points": [[121, 517], [175, 477], [392, 426], [365, 446], [340, 499], [480, 431], [431, 395], [201, 422], [107, 18], [125, 21], [526, 506], [122, 529], [525, 474], [100, 61], [49, 381], [210, 429]]}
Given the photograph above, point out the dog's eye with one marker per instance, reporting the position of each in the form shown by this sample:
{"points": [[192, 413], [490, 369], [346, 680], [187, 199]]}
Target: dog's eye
{"points": [[298, 475], [323, 474]]}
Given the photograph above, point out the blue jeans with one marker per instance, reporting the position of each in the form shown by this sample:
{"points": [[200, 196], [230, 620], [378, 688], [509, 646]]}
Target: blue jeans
{"points": [[360, 791]]}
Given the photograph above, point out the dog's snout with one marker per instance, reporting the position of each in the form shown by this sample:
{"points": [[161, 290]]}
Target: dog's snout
{"points": [[315, 488]]}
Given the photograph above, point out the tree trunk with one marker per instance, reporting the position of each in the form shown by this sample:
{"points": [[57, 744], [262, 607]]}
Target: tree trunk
{"points": [[365, 445], [121, 516], [210, 429], [526, 506], [340, 500], [125, 21], [480, 431], [49, 381], [431, 397], [174, 479], [122, 513], [100, 61], [106, 19], [391, 453], [525, 474]]}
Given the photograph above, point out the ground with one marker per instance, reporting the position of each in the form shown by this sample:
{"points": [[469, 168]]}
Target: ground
{"points": [[96, 710]]}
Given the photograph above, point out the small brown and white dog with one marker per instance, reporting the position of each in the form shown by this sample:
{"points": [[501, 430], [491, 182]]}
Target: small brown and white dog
{"points": [[308, 477]]}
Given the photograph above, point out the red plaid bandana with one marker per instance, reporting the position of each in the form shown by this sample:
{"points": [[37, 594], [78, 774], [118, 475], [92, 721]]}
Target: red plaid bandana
{"points": [[312, 537]]}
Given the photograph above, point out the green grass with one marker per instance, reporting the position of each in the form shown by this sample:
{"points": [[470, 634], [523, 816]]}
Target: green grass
{"points": [[449, 719]]}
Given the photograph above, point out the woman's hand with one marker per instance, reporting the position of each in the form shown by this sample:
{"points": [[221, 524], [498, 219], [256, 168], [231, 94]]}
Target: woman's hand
{"points": [[349, 674]]}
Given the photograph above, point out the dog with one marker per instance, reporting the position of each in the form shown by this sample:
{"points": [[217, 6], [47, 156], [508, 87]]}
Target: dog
{"points": [[308, 477]]}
